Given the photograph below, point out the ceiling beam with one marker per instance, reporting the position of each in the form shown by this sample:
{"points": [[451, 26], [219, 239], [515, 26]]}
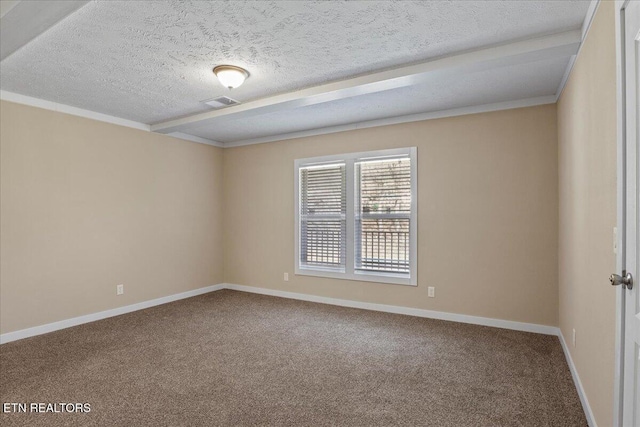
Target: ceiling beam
{"points": [[23, 21], [547, 47], [6, 6]]}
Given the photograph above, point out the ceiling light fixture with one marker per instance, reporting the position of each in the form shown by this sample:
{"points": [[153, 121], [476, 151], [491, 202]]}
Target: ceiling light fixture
{"points": [[230, 76]]}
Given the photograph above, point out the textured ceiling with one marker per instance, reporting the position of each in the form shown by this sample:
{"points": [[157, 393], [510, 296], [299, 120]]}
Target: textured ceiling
{"points": [[149, 61]]}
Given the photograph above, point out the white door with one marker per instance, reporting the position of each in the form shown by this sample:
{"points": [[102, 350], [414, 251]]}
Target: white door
{"points": [[630, 244]]}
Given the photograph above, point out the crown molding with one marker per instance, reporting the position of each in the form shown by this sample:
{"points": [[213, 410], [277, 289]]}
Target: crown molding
{"points": [[197, 139], [88, 114], [67, 109], [586, 25], [508, 105]]}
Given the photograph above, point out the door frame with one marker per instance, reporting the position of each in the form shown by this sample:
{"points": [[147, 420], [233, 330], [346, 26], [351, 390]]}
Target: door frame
{"points": [[620, 208]]}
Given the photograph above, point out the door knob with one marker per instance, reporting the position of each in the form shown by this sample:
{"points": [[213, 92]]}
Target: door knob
{"points": [[626, 280]]}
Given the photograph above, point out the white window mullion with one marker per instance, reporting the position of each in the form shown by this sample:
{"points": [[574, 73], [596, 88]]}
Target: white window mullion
{"points": [[350, 181], [413, 231]]}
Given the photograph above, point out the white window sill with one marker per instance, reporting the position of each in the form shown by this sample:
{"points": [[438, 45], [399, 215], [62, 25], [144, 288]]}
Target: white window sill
{"points": [[388, 278]]}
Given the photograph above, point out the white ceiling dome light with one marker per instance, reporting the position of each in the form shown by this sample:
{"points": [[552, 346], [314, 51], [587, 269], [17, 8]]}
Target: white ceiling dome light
{"points": [[230, 76]]}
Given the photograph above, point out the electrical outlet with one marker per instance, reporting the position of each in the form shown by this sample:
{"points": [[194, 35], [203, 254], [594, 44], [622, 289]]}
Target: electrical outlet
{"points": [[286, 277], [573, 338], [119, 289], [431, 292]]}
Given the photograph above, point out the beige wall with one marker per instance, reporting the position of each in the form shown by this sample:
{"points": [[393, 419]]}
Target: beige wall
{"points": [[487, 214], [88, 205], [587, 164]]}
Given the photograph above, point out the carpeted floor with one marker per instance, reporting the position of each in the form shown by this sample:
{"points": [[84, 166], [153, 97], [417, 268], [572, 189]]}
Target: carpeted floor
{"points": [[234, 359]]}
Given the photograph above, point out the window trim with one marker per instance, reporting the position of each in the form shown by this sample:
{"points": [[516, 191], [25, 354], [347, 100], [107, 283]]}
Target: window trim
{"points": [[350, 273]]}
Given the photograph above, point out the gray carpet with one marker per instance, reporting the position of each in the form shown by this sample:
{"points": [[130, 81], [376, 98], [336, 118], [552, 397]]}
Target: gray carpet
{"points": [[235, 359]]}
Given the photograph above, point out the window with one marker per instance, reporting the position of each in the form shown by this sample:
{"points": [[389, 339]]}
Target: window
{"points": [[356, 216], [323, 220]]}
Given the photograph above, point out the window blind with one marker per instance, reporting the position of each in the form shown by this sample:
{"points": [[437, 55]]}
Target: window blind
{"points": [[323, 205], [383, 215]]}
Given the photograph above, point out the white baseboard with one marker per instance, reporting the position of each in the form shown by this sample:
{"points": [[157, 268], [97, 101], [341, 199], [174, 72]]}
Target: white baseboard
{"points": [[576, 379], [431, 314], [462, 318], [63, 324]]}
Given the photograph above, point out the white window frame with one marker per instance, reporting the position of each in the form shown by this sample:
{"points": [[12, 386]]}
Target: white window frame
{"points": [[350, 272]]}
